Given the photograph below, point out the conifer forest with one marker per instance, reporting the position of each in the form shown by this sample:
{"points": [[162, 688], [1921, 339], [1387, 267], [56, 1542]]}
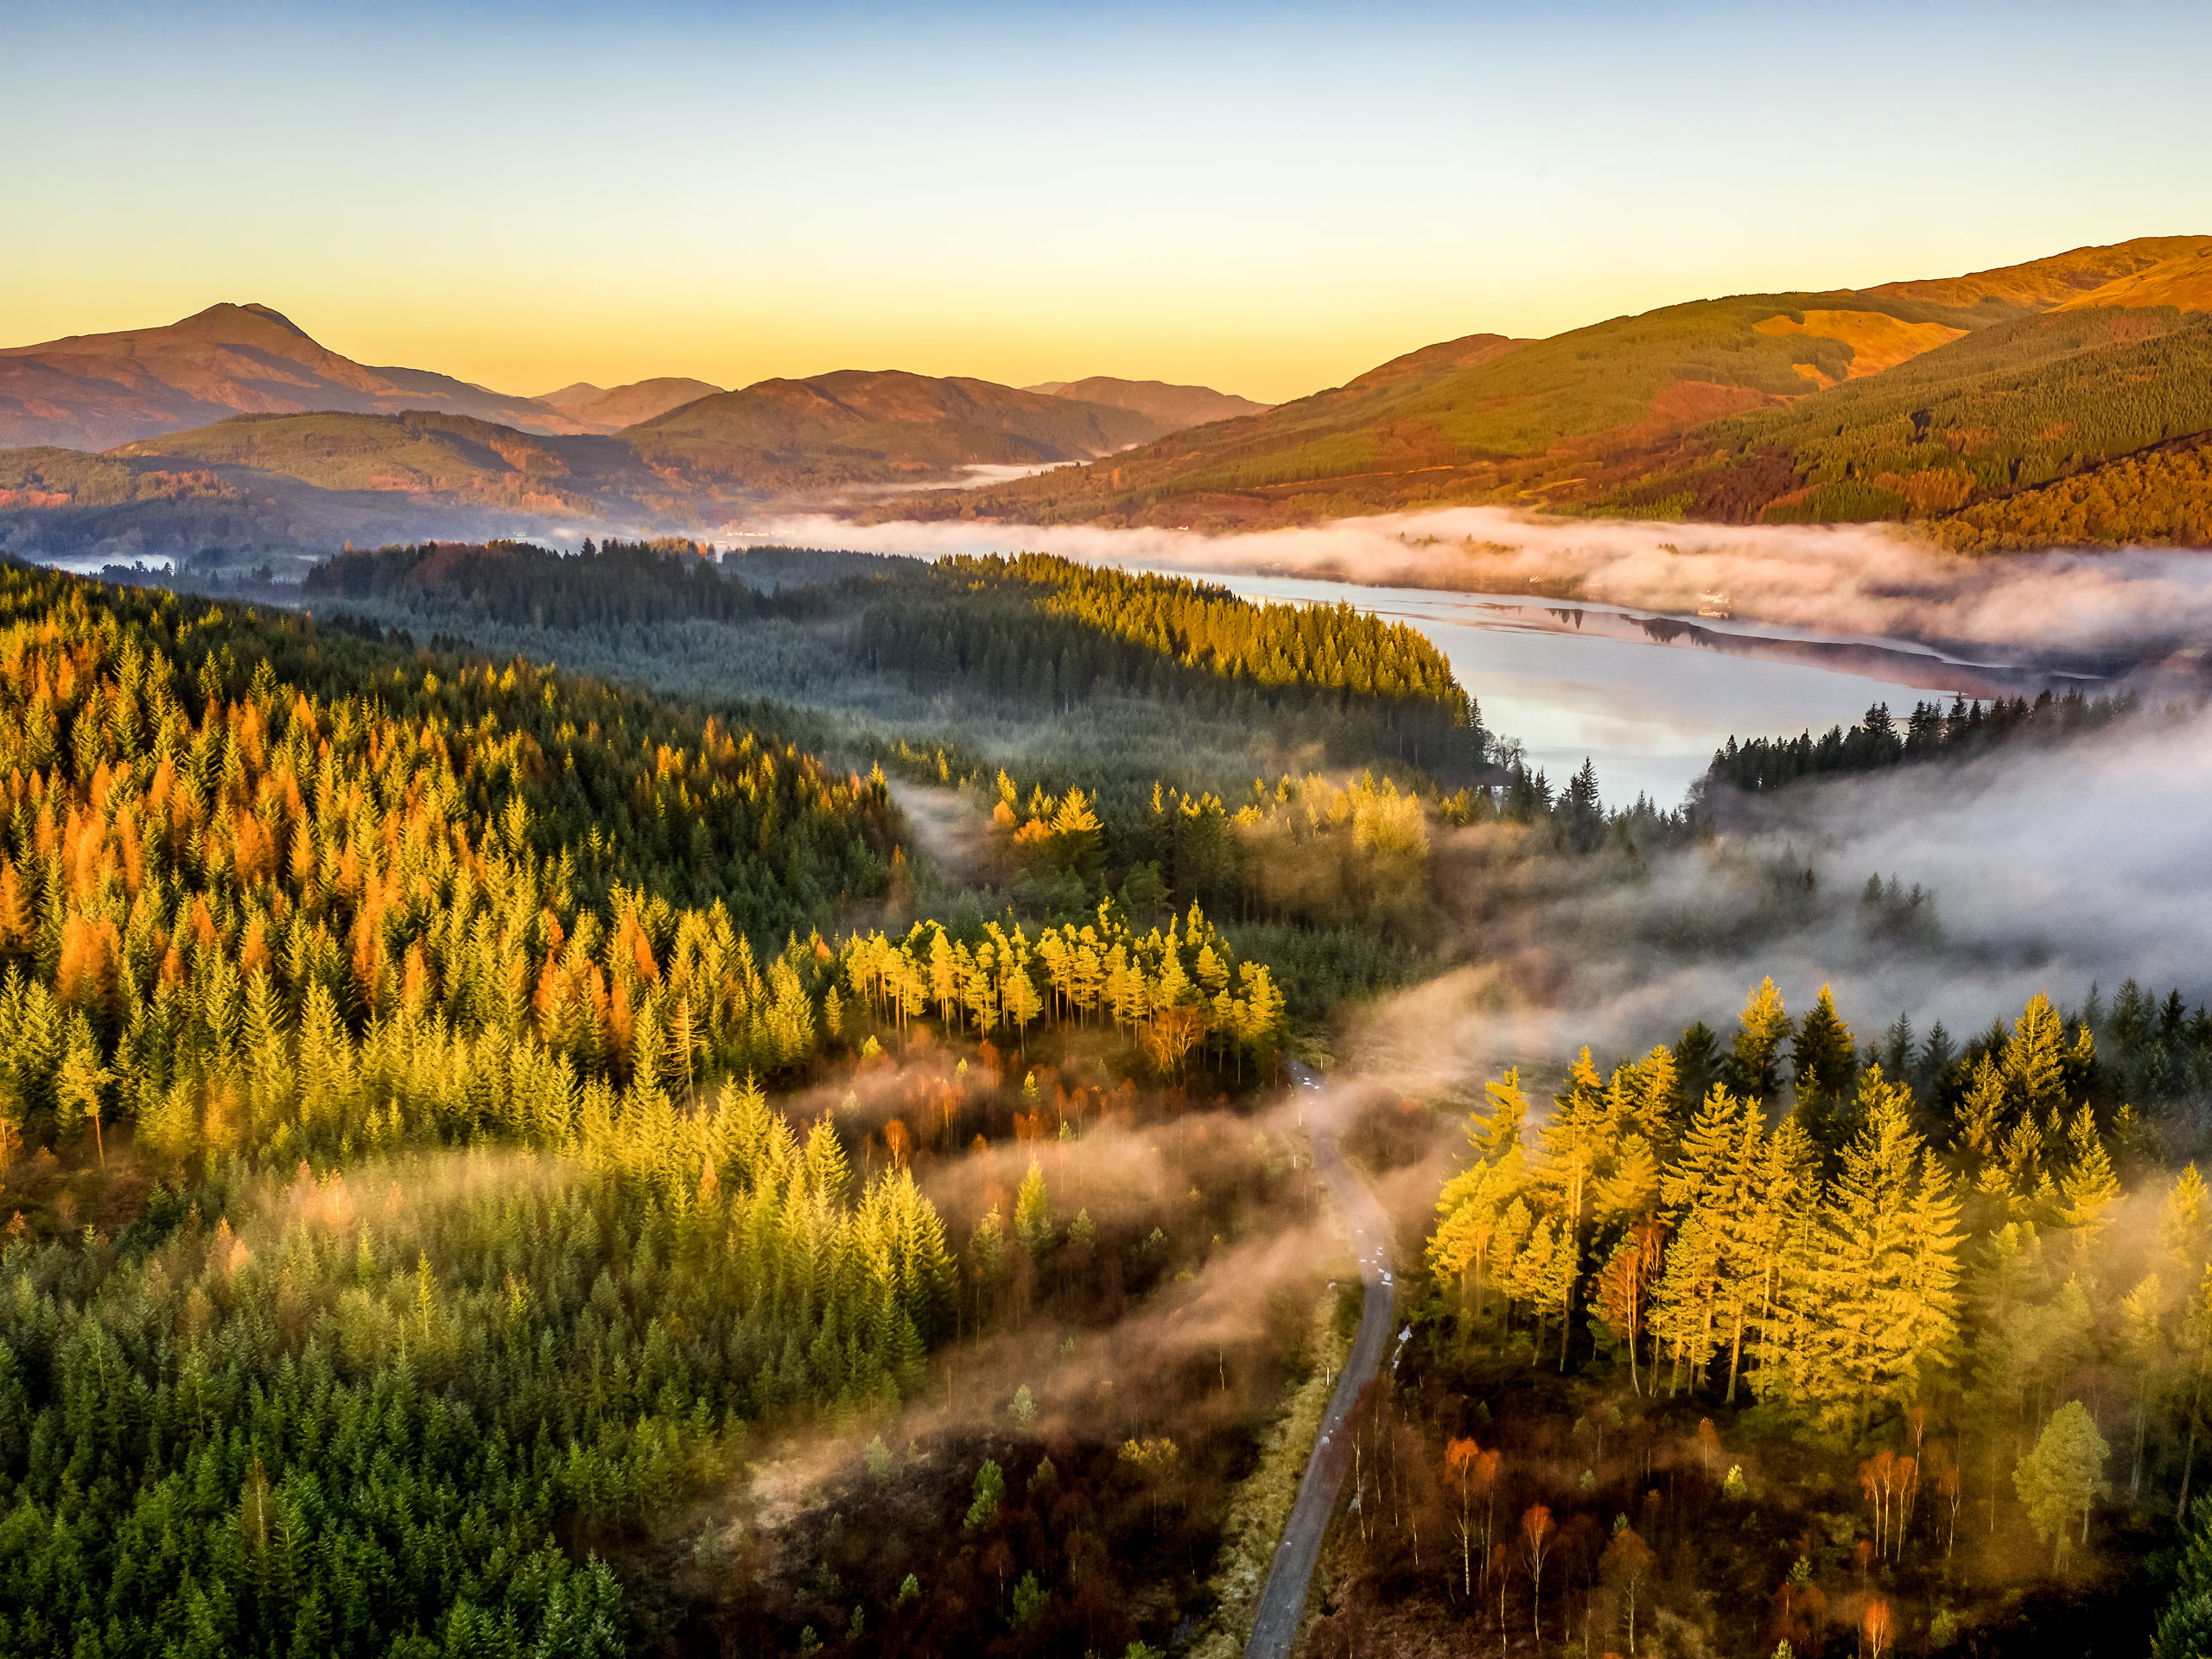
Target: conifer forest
{"points": [[877, 831], [647, 1101]]}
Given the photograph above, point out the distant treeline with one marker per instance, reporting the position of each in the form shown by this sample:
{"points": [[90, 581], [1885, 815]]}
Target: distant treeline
{"points": [[1929, 733], [1049, 629], [608, 585], [1033, 634]]}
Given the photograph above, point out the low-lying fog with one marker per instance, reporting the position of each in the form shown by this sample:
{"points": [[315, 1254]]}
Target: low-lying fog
{"points": [[1864, 581], [2051, 869]]}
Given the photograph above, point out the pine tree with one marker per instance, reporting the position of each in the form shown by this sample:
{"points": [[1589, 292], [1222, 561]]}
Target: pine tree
{"points": [[1886, 1271], [2035, 1059], [1982, 1116], [1576, 1142], [1698, 1061], [1824, 1065], [1032, 1213], [2062, 1477], [2088, 1188], [1753, 1065]]}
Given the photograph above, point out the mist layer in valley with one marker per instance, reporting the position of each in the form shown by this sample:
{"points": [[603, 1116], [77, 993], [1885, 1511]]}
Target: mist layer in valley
{"points": [[2093, 610]]}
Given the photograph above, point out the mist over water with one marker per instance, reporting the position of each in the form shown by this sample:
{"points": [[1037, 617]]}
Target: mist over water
{"points": [[1647, 699], [1643, 647], [2083, 611], [2052, 868]]}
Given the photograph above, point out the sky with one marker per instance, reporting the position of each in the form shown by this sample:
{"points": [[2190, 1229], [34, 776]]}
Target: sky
{"points": [[1265, 198]]}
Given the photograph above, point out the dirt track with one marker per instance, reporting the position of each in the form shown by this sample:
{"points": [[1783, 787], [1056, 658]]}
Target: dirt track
{"points": [[1274, 1627]]}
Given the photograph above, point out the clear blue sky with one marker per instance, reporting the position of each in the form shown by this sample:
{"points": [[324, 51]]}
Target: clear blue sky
{"points": [[1265, 198]]}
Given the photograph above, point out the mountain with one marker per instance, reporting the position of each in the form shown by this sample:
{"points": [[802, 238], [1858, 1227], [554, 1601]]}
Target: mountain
{"points": [[60, 503], [605, 409], [2064, 399], [92, 391], [1172, 408], [872, 428], [449, 459], [1932, 401], [309, 481], [2049, 285]]}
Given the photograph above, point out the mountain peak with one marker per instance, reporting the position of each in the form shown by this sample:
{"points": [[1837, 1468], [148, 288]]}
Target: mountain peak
{"points": [[94, 392], [274, 316], [229, 313]]}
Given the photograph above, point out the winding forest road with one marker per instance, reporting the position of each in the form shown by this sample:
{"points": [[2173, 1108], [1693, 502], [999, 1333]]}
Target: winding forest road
{"points": [[1274, 1626]]}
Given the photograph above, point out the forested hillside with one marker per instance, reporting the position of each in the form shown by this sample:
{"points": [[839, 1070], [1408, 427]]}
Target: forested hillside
{"points": [[1909, 401], [2161, 495], [1100, 656], [2008, 408], [1792, 1340], [396, 1037]]}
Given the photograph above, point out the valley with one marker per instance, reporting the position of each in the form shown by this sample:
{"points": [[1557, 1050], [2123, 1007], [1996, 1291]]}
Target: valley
{"points": [[881, 832]]}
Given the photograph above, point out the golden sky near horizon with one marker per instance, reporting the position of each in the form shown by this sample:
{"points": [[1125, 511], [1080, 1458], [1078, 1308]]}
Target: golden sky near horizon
{"points": [[1268, 201]]}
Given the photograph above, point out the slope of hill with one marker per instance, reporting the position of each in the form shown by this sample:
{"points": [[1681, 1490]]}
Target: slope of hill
{"points": [[603, 408], [93, 391], [1911, 400], [2183, 281], [1170, 407], [65, 503], [2045, 284], [445, 457], [1484, 417], [2007, 409], [860, 427], [311, 481]]}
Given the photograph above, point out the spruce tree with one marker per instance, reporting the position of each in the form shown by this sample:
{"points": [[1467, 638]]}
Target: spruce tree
{"points": [[1824, 1066], [1886, 1268], [1753, 1066]]}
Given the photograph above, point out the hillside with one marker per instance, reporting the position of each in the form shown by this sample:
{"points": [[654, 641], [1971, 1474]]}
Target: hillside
{"points": [[1934, 401], [2183, 280], [858, 427], [603, 408], [443, 457], [1171, 407], [93, 391], [2047, 284], [1913, 400], [308, 482], [66, 503]]}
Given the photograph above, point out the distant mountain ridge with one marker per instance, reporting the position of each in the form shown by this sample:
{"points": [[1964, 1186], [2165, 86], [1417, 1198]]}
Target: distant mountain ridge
{"points": [[297, 481], [870, 426], [2065, 400], [1171, 407], [604, 409], [97, 392], [93, 391]]}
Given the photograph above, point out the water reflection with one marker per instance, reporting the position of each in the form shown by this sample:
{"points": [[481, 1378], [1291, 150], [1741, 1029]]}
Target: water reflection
{"points": [[1649, 696]]}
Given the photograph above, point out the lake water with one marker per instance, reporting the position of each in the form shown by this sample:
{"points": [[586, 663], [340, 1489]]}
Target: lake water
{"points": [[1646, 696]]}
